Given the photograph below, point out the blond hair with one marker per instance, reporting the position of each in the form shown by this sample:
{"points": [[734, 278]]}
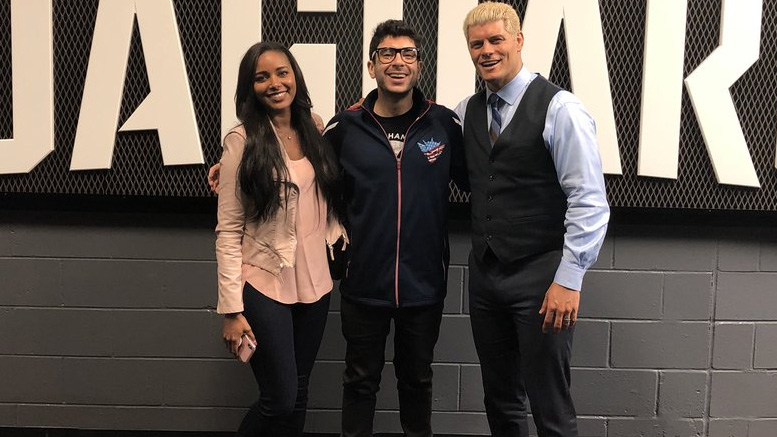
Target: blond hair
{"points": [[492, 11]]}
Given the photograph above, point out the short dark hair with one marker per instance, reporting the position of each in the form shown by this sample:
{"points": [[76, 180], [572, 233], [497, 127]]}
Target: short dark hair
{"points": [[392, 28]]}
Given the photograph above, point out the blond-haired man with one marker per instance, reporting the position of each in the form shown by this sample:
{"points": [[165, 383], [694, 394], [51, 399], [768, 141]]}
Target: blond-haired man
{"points": [[539, 216]]}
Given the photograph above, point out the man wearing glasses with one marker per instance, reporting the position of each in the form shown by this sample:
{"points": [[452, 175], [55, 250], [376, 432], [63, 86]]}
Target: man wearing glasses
{"points": [[398, 152]]}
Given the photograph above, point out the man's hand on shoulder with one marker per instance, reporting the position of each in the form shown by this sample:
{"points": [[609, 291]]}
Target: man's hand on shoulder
{"points": [[213, 177], [318, 121], [357, 105], [559, 308]]}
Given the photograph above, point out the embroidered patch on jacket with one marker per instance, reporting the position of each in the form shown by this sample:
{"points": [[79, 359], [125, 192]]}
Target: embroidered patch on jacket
{"points": [[431, 149]]}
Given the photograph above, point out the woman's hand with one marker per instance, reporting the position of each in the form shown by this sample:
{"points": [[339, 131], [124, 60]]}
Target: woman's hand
{"points": [[235, 325]]}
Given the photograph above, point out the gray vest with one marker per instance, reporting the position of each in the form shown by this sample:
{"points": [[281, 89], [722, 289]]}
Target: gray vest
{"points": [[518, 207]]}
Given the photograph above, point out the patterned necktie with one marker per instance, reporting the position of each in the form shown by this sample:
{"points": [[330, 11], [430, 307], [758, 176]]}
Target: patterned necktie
{"points": [[496, 118]]}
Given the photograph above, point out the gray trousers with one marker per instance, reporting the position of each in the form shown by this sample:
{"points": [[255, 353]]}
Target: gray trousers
{"points": [[517, 360]]}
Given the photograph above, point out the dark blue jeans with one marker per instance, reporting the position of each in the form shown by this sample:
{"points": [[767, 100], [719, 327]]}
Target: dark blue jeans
{"points": [[516, 359], [288, 338], [415, 333]]}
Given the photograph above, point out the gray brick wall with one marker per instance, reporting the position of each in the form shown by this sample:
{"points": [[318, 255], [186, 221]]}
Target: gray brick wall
{"points": [[107, 322]]}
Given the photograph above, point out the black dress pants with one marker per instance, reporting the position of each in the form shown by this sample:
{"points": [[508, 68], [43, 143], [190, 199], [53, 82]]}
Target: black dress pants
{"points": [[415, 333], [288, 338], [517, 359]]}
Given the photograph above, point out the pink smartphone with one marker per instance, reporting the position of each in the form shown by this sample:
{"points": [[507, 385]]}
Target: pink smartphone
{"points": [[246, 349]]}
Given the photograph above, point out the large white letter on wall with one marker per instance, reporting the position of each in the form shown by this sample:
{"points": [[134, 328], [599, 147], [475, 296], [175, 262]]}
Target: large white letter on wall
{"points": [[708, 87], [32, 67], [662, 88], [587, 62], [375, 12], [316, 6], [168, 108], [455, 72], [318, 62], [241, 27]]}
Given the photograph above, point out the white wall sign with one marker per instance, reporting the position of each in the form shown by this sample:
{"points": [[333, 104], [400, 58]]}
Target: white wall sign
{"points": [[168, 109]]}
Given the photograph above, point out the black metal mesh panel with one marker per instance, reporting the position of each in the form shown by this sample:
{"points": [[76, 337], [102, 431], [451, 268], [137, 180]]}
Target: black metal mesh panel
{"points": [[6, 94], [73, 29], [137, 163]]}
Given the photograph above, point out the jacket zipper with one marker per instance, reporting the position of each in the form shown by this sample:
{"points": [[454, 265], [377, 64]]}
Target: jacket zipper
{"points": [[399, 190]]}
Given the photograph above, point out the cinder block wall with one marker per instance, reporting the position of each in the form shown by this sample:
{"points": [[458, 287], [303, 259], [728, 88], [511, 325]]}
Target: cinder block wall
{"points": [[107, 322]]}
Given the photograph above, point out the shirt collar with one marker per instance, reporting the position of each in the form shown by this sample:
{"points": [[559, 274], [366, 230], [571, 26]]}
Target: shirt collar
{"points": [[510, 92]]}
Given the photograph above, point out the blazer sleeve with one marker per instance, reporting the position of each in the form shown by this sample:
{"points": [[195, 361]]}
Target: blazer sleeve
{"points": [[230, 228]]}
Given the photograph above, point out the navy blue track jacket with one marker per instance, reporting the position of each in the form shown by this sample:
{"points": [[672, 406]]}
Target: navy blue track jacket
{"points": [[396, 209]]}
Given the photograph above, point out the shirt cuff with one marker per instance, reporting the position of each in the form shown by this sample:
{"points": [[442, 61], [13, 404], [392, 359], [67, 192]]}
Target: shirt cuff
{"points": [[229, 310], [569, 275]]}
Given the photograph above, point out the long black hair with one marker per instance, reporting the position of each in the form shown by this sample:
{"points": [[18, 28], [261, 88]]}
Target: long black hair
{"points": [[262, 172]]}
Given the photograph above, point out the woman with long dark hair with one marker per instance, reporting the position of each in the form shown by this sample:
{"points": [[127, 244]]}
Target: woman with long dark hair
{"points": [[275, 218]]}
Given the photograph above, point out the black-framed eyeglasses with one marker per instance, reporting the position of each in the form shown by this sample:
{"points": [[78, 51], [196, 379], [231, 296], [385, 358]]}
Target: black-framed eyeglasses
{"points": [[387, 54]]}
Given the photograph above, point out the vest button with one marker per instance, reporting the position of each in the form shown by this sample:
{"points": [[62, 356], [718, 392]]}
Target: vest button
{"points": [[491, 177], [490, 197], [489, 237], [488, 218]]}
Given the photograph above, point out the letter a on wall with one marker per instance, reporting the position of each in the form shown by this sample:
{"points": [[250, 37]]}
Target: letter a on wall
{"points": [[168, 108], [587, 61]]}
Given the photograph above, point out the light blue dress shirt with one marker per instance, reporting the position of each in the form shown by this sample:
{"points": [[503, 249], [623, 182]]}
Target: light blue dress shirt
{"points": [[570, 136]]}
